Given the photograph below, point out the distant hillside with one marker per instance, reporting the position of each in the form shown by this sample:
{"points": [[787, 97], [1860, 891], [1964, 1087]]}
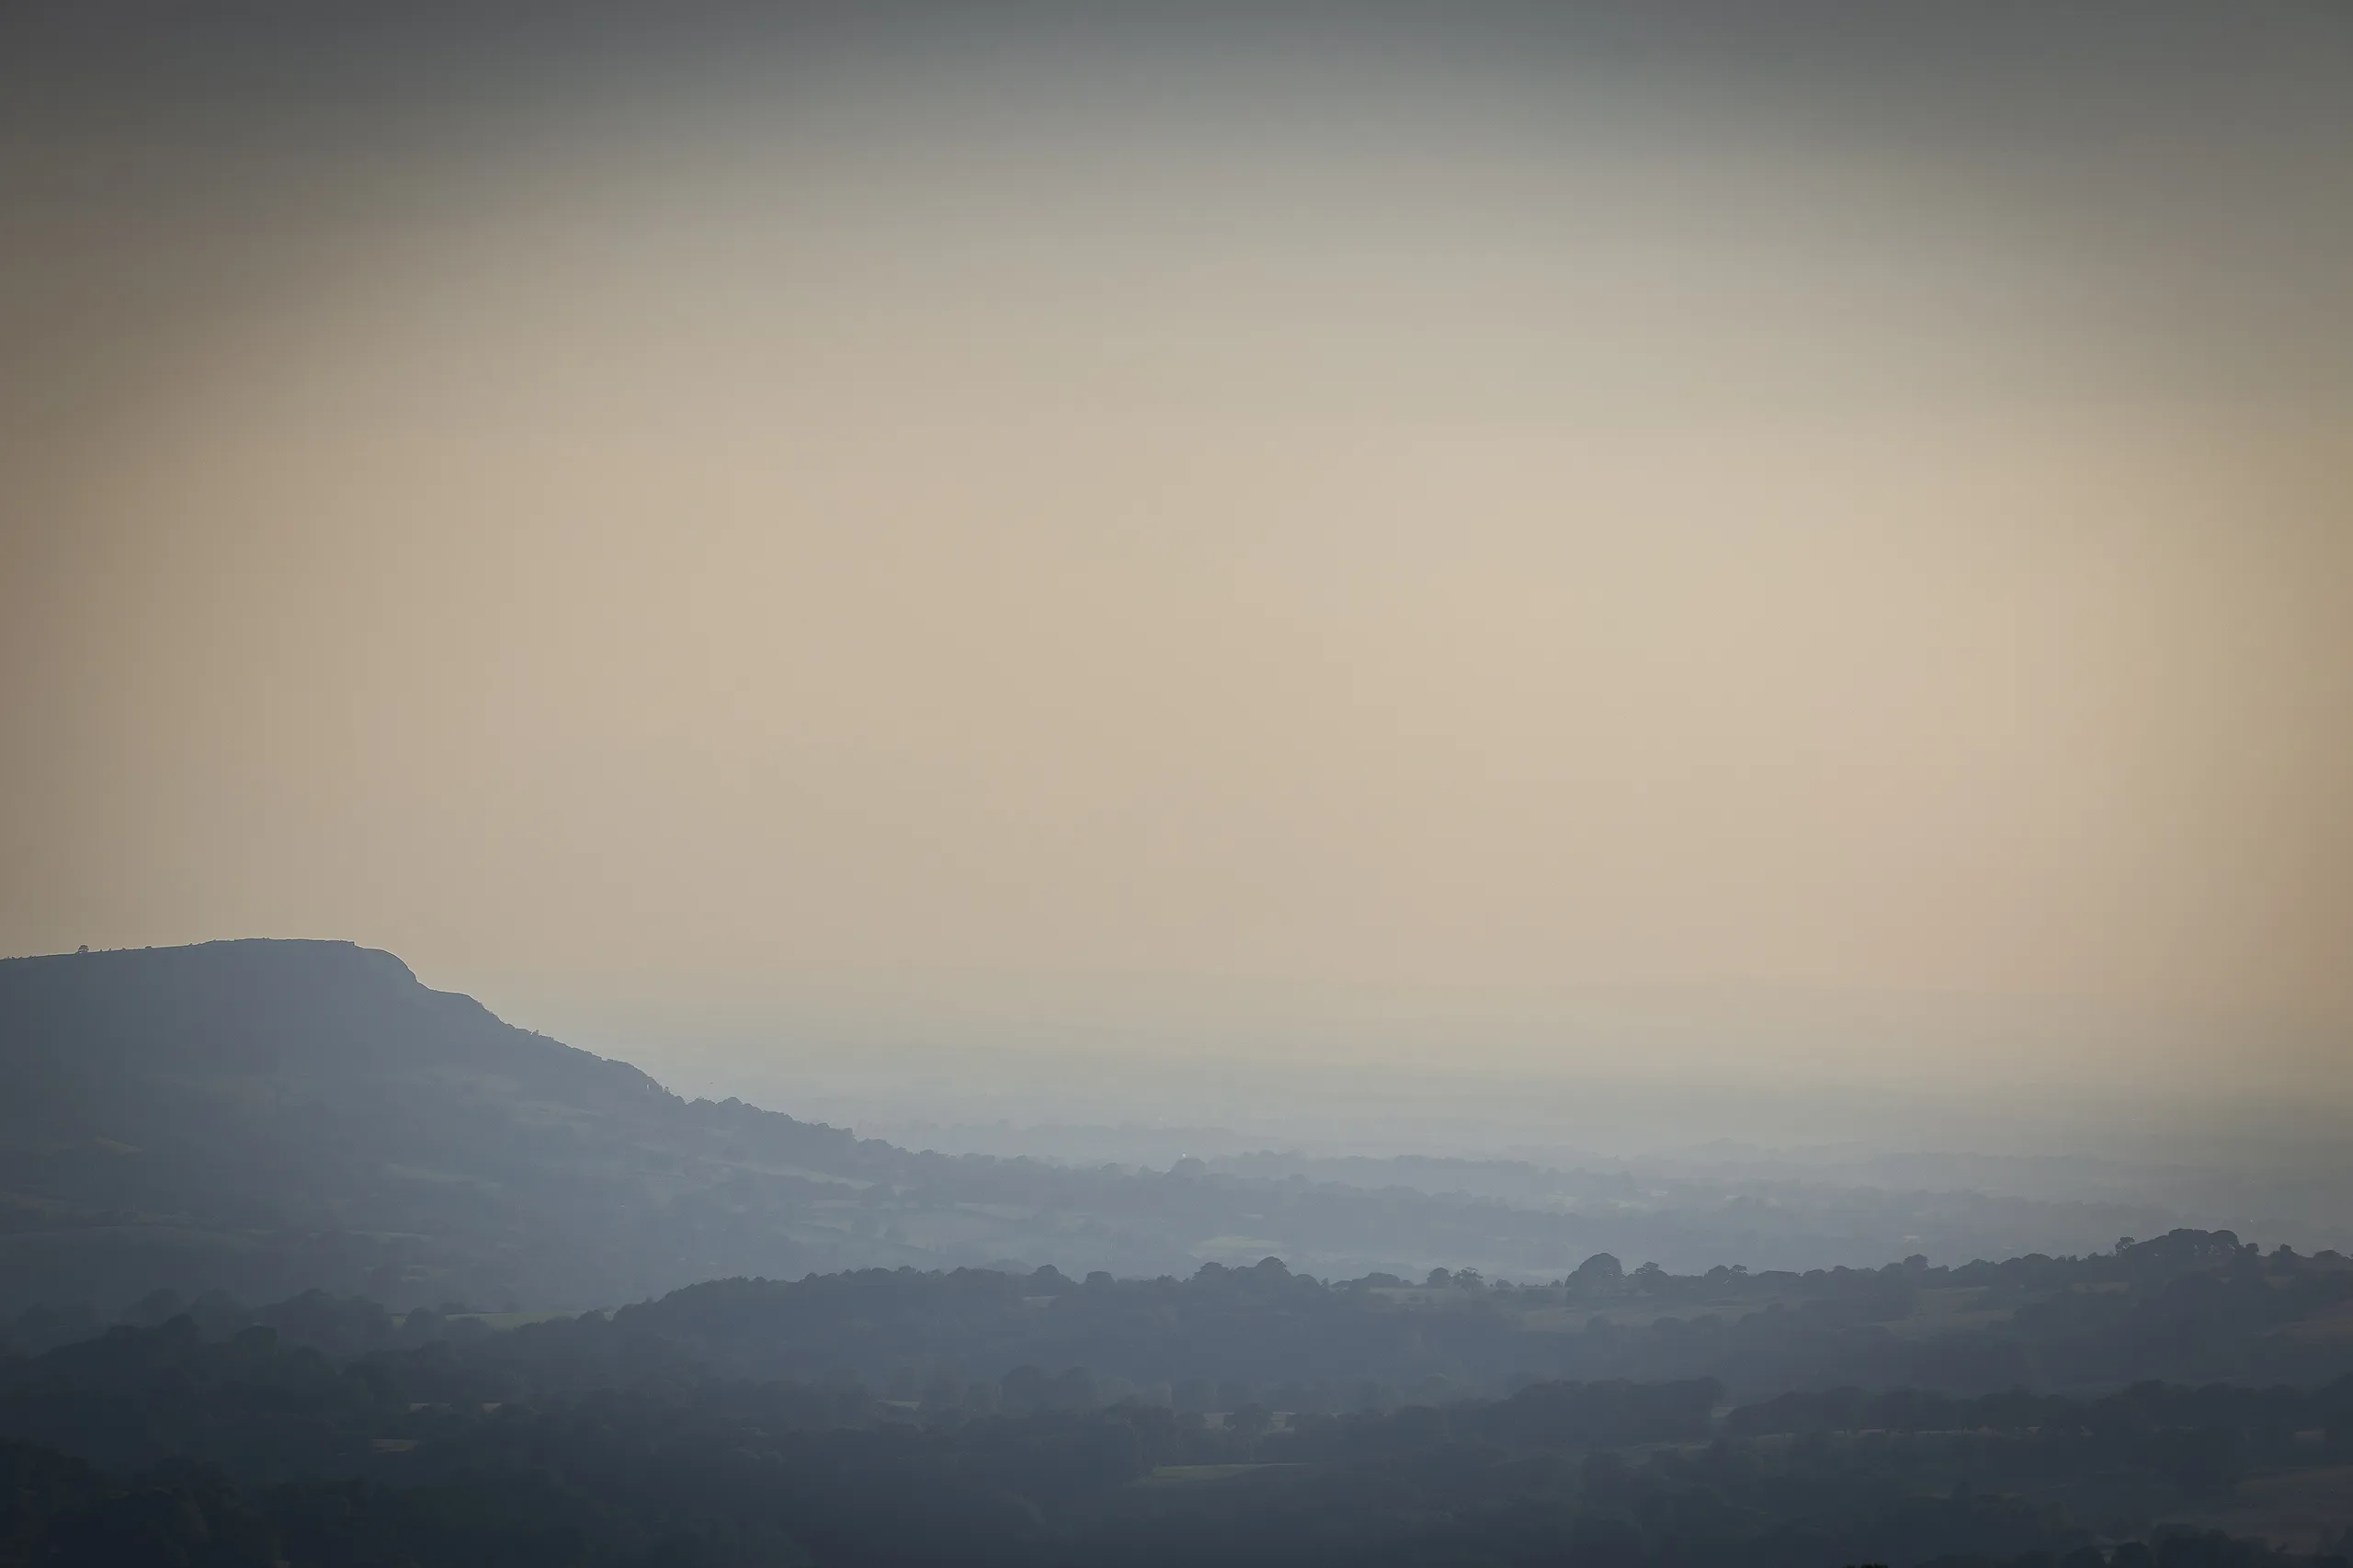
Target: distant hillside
{"points": [[265, 1117], [2194, 1308]]}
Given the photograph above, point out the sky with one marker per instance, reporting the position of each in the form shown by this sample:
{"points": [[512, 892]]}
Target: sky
{"points": [[1804, 542]]}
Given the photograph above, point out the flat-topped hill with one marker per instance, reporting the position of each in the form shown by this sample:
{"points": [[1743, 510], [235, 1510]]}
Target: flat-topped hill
{"points": [[269, 1117], [266, 1115]]}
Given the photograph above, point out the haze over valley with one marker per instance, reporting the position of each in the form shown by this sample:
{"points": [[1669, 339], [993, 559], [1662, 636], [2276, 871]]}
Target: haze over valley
{"points": [[854, 786]]}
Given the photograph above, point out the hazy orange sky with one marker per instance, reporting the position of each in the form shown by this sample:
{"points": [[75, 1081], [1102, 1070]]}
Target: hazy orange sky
{"points": [[1354, 509]]}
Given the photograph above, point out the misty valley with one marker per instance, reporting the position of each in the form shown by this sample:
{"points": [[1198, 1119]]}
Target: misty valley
{"points": [[921, 783], [306, 1263]]}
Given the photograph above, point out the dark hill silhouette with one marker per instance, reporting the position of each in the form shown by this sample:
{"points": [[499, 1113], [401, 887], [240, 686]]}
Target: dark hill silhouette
{"points": [[290, 1012], [261, 1115], [269, 1117]]}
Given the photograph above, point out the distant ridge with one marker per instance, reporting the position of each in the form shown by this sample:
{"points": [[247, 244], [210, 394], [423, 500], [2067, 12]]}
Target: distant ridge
{"points": [[268, 1117], [267, 1114], [308, 1010]]}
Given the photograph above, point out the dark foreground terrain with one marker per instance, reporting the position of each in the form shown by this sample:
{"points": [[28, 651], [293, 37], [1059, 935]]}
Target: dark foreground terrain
{"points": [[1249, 1415], [159, 1446]]}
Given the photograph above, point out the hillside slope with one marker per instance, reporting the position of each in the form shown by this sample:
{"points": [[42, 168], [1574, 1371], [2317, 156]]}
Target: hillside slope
{"points": [[266, 1117]]}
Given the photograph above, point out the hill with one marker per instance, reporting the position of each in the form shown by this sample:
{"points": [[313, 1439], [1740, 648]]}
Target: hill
{"points": [[264, 1116], [267, 1116]]}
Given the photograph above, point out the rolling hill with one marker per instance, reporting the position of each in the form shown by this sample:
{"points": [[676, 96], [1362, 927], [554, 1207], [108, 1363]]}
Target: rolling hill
{"points": [[267, 1116]]}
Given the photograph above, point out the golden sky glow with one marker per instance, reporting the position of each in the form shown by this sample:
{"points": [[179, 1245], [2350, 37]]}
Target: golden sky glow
{"points": [[1460, 531]]}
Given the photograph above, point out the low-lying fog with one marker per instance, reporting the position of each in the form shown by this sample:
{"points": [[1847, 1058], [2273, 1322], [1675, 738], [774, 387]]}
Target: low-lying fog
{"points": [[1873, 1101]]}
